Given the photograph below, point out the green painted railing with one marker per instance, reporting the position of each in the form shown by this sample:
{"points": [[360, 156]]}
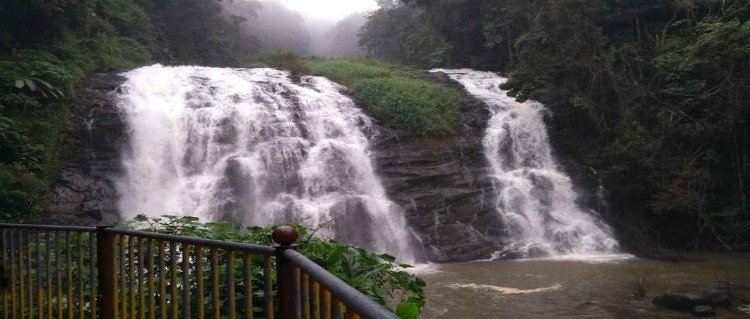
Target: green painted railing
{"points": [[101, 272]]}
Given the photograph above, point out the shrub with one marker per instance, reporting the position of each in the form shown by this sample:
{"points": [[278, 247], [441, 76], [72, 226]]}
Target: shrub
{"points": [[377, 276], [640, 282], [394, 95], [424, 109]]}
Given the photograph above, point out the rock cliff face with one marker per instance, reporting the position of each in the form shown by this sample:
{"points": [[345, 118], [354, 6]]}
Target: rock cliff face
{"points": [[85, 193], [443, 185]]}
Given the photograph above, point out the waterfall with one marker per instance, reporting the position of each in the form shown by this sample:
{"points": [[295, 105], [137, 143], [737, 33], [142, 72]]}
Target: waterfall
{"points": [[252, 145], [534, 199]]}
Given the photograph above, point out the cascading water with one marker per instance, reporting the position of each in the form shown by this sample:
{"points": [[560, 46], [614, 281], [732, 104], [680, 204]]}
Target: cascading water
{"points": [[252, 145], [534, 199]]}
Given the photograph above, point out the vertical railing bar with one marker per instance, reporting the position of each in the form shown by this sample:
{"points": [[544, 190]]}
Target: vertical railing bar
{"points": [[230, 284], [267, 286], [315, 287], [162, 281], [215, 283], [5, 270], [39, 277], [29, 273], [186, 280], [25, 271], [69, 269], [21, 266], [305, 295], [327, 303], [116, 265], [247, 284], [151, 286], [123, 278], [173, 280], [79, 237], [117, 271], [94, 274], [199, 270], [132, 282], [48, 240], [58, 274], [336, 309], [141, 282], [297, 289], [14, 309]]}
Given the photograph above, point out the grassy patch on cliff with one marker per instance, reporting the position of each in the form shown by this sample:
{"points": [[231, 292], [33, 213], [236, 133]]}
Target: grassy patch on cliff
{"points": [[392, 93]]}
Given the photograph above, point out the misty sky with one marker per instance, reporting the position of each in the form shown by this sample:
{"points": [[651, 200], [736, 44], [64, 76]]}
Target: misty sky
{"points": [[329, 9]]}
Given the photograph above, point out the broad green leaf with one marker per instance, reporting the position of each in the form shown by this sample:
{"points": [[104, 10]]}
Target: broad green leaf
{"points": [[407, 310]]}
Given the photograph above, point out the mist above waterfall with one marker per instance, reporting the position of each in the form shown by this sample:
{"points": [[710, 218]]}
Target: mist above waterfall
{"points": [[533, 197], [250, 145], [326, 29]]}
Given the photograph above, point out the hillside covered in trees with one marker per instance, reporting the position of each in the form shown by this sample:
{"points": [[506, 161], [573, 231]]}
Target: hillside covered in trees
{"points": [[652, 95]]}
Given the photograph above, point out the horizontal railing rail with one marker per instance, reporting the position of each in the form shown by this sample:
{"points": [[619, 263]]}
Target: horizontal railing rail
{"points": [[103, 272]]}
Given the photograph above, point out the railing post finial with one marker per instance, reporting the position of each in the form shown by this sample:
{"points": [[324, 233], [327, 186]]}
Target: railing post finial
{"points": [[285, 237]]}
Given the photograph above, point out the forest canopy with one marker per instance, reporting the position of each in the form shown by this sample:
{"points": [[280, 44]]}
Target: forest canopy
{"points": [[651, 94]]}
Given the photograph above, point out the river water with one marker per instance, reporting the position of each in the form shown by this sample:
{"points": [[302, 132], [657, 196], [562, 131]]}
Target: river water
{"points": [[575, 289]]}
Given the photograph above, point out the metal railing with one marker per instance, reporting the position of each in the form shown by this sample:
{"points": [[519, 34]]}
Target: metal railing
{"points": [[102, 272]]}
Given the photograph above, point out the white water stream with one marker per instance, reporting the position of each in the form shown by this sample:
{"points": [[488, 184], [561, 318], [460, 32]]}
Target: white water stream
{"points": [[250, 145], [534, 198]]}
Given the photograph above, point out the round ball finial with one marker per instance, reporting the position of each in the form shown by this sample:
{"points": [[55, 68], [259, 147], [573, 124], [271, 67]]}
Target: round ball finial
{"points": [[284, 235]]}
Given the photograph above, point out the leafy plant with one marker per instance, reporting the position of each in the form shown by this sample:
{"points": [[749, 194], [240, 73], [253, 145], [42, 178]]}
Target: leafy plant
{"points": [[395, 95], [377, 276]]}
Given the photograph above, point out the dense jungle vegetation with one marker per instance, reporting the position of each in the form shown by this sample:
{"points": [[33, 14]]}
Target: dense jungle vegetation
{"points": [[652, 94], [48, 46]]}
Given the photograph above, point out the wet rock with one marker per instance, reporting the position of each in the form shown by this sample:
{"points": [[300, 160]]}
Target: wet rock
{"points": [[587, 305], [675, 302], [718, 299], [85, 193], [703, 311], [443, 184]]}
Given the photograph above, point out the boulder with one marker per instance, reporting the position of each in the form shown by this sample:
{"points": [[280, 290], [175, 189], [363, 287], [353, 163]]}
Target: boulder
{"points": [[703, 311], [718, 299], [674, 302]]}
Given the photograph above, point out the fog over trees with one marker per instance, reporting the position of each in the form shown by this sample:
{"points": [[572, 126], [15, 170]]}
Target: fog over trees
{"points": [[268, 25]]}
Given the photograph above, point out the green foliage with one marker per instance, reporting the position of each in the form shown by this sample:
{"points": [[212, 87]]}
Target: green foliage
{"points": [[377, 276], [48, 47], [394, 95], [348, 71], [425, 109], [400, 33], [283, 60], [655, 98], [21, 192]]}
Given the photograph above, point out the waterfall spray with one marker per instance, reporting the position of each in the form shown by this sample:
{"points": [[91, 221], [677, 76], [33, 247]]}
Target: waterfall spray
{"points": [[251, 145]]}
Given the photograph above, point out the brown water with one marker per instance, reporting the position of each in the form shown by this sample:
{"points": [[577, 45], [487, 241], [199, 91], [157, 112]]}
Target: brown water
{"points": [[575, 289]]}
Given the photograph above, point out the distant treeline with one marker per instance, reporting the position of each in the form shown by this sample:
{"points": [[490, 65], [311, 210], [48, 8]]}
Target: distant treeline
{"points": [[652, 94]]}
